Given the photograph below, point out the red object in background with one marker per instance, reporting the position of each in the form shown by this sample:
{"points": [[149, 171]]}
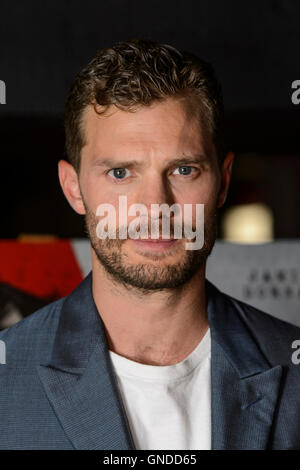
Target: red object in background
{"points": [[47, 270]]}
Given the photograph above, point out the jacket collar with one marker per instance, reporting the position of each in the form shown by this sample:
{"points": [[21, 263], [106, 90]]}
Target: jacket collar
{"points": [[229, 330], [79, 379], [245, 387]]}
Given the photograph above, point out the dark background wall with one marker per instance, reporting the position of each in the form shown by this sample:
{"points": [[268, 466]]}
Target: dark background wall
{"points": [[254, 47]]}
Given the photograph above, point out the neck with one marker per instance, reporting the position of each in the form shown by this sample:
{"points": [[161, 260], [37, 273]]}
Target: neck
{"points": [[160, 328]]}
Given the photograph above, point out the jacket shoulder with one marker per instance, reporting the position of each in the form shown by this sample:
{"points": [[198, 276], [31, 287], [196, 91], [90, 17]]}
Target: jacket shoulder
{"points": [[275, 337], [32, 338], [260, 317]]}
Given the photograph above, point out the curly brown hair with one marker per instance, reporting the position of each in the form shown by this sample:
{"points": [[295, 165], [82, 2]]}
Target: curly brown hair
{"points": [[137, 73]]}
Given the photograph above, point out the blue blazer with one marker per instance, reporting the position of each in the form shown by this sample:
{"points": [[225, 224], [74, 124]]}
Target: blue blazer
{"points": [[58, 389]]}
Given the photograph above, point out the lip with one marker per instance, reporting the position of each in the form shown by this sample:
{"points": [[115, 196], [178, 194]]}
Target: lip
{"points": [[157, 244], [155, 240]]}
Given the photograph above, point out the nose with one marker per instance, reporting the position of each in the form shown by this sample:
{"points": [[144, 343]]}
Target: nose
{"points": [[154, 190]]}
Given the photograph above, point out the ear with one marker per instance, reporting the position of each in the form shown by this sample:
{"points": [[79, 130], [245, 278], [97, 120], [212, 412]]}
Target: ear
{"points": [[69, 182], [225, 178]]}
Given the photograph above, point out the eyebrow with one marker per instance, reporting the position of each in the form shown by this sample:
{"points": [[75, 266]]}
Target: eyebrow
{"points": [[180, 161], [113, 163], [188, 160]]}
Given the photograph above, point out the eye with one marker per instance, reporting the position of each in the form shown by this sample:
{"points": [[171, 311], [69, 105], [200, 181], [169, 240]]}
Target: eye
{"points": [[184, 170], [118, 173]]}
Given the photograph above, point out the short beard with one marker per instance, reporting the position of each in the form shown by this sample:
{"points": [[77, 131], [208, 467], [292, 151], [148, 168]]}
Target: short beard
{"points": [[147, 277]]}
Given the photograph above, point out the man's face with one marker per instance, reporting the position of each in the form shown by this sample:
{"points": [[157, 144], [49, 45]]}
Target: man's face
{"points": [[161, 156]]}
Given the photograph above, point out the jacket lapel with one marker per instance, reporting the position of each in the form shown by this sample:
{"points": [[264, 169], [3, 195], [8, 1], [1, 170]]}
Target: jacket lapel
{"points": [[79, 380], [245, 387]]}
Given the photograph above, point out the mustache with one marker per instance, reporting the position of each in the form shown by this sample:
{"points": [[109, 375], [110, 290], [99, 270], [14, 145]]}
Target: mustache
{"points": [[145, 231]]}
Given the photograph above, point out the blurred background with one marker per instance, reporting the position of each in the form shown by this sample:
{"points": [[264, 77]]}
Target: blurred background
{"points": [[254, 47]]}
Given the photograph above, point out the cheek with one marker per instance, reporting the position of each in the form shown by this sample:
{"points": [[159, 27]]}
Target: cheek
{"points": [[94, 194], [204, 192]]}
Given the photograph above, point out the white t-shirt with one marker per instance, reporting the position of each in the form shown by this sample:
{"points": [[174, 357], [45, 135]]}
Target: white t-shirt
{"points": [[168, 407]]}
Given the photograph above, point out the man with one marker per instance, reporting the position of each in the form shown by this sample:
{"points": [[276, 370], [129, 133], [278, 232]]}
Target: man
{"points": [[146, 353]]}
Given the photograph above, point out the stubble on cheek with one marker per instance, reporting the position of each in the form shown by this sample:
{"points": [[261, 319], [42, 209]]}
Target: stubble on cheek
{"points": [[157, 271]]}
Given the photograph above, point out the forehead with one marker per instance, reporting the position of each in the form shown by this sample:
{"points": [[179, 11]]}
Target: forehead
{"points": [[162, 127]]}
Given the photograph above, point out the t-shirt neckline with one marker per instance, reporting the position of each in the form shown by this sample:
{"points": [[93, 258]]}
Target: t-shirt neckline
{"points": [[126, 367]]}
